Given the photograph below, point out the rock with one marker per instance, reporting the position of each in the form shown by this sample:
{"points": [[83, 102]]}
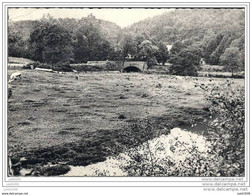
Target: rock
{"points": [[122, 97], [14, 76], [121, 116], [158, 85], [25, 172], [23, 159]]}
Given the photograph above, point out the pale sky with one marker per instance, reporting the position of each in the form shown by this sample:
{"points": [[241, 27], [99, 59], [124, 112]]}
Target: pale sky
{"points": [[122, 17]]}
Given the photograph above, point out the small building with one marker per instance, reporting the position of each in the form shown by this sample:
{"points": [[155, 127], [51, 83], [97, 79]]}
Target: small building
{"points": [[202, 62], [169, 47]]}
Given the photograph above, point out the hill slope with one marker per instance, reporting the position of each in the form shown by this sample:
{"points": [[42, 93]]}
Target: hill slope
{"points": [[109, 30], [184, 24]]}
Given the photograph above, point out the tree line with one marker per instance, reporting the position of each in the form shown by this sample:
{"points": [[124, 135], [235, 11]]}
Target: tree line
{"points": [[51, 41], [216, 35]]}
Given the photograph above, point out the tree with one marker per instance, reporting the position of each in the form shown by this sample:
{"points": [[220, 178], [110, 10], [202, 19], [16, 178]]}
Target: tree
{"points": [[90, 44], [50, 43], [81, 49], [148, 52], [176, 48], [162, 54], [211, 46], [186, 62], [240, 42], [225, 42], [128, 46], [138, 40], [17, 46], [231, 59]]}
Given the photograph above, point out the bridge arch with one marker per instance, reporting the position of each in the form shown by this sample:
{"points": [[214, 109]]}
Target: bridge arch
{"points": [[134, 66], [131, 69]]}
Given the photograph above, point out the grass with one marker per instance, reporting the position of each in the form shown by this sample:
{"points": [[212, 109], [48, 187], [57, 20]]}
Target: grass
{"points": [[221, 74], [15, 60], [56, 118], [15, 63]]}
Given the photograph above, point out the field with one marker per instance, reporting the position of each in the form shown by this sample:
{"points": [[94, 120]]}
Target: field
{"points": [[17, 63], [55, 118]]}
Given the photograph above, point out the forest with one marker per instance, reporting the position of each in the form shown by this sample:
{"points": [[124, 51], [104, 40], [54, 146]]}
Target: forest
{"points": [[216, 35]]}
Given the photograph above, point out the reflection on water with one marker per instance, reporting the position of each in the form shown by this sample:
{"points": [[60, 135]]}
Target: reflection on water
{"points": [[177, 147]]}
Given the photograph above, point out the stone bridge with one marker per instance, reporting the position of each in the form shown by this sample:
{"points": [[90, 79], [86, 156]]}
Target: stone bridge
{"points": [[135, 66]]}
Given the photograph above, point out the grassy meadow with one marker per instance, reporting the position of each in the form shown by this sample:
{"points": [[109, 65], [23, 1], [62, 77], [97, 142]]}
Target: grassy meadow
{"points": [[55, 118]]}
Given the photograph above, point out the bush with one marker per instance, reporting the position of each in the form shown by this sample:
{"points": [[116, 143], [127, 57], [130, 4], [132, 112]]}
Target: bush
{"points": [[62, 66], [38, 65], [86, 67], [227, 130], [151, 62], [180, 153], [54, 170], [109, 66], [34, 64], [112, 66], [184, 71]]}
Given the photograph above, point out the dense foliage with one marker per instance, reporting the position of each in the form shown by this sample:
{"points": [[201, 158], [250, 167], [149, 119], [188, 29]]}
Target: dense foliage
{"points": [[17, 45], [186, 62], [211, 31], [89, 43], [232, 59], [59, 40], [141, 47], [228, 129], [50, 43]]}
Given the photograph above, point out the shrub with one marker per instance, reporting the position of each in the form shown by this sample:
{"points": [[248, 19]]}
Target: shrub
{"points": [[62, 66], [151, 62], [180, 153], [112, 66], [184, 71], [51, 170], [227, 130], [86, 67], [34, 64], [38, 65]]}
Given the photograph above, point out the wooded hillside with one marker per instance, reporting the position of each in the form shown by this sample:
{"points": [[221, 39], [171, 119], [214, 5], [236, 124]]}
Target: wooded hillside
{"points": [[212, 30], [204, 33]]}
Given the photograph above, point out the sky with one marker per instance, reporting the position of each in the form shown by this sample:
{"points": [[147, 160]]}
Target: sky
{"points": [[122, 17]]}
